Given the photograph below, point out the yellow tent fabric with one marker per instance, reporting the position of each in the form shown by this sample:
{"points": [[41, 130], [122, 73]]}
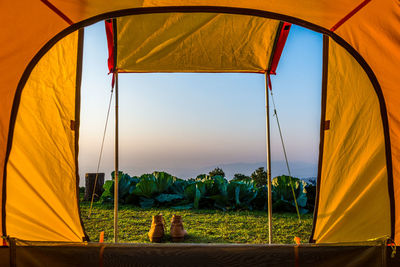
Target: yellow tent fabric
{"points": [[371, 33], [374, 34], [41, 172], [353, 199], [194, 42]]}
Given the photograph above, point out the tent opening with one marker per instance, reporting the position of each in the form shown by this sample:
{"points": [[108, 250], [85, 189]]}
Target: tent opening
{"points": [[188, 124]]}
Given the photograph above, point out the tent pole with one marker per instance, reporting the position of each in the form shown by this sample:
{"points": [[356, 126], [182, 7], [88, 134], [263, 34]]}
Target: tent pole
{"points": [[116, 178], [268, 143]]}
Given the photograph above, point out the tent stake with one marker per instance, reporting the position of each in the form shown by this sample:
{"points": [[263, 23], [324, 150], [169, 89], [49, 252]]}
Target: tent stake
{"points": [[268, 143], [116, 163]]}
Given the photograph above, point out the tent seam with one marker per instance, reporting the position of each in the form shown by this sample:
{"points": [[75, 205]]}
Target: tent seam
{"points": [[349, 15], [57, 11], [78, 82], [324, 89]]}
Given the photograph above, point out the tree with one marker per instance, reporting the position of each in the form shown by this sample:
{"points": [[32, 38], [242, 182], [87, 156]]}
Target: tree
{"points": [[216, 172], [240, 177], [200, 176], [260, 177]]}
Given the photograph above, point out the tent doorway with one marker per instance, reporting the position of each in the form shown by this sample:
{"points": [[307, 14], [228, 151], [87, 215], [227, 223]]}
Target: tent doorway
{"points": [[218, 117]]}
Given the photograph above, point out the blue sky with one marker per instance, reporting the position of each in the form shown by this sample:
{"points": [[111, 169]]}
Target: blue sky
{"points": [[184, 122]]}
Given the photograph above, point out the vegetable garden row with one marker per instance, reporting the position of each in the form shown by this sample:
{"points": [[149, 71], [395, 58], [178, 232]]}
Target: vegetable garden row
{"points": [[162, 189]]}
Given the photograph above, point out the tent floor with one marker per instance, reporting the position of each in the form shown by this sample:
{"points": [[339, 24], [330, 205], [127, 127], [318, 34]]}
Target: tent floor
{"points": [[96, 254]]}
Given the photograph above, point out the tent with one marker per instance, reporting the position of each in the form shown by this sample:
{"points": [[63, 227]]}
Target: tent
{"points": [[41, 56]]}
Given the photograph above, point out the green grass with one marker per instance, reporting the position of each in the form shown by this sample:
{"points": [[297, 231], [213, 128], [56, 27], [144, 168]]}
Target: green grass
{"points": [[203, 226]]}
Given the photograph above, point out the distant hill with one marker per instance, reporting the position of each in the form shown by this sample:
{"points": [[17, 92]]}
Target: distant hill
{"points": [[298, 169], [311, 180]]}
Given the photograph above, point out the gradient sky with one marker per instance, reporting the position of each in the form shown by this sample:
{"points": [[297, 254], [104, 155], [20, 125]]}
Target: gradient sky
{"points": [[188, 121]]}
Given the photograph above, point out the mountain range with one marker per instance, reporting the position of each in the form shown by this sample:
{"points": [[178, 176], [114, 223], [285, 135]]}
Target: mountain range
{"points": [[298, 169]]}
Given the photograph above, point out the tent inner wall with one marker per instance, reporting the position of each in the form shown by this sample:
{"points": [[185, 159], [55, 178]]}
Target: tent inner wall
{"points": [[34, 23], [41, 184], [41, 171], [354, 201]]}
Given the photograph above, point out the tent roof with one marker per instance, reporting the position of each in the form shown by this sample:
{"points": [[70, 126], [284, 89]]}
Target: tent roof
{"points": [[195, 42]]}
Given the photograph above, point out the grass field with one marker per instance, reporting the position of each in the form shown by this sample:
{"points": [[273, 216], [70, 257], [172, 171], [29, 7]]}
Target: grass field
{"points": [[203, 226]]}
